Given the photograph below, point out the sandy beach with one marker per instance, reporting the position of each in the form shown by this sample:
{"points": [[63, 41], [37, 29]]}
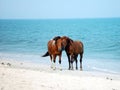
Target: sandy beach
{"points": [[16, 75]]}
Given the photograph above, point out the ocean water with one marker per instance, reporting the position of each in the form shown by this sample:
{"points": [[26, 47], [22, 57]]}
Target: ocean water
{"points": [[27, 40]]}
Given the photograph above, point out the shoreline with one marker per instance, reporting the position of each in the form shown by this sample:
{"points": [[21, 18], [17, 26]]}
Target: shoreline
{"points": [[89, 64], [26, 75]]}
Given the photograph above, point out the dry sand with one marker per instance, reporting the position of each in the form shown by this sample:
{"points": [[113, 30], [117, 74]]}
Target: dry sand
{"points": [[16, 75]]}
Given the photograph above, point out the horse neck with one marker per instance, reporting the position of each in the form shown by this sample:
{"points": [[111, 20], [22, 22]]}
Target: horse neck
{"points": [[69, 46]]}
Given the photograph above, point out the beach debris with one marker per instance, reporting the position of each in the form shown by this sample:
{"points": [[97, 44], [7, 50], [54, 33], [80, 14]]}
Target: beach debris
{"points": [[2, 63], [2, 88], [8, 64], [109, 78], [3, 74]]}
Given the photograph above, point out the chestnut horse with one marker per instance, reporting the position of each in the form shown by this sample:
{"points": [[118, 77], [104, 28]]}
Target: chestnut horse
{"points": [[54, 50], [72, 49]]}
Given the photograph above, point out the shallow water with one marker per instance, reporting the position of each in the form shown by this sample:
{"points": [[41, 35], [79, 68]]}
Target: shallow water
{"points": [[27, 40]]}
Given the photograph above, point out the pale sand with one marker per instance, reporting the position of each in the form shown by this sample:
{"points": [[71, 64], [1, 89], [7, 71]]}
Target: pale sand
{"points": [[28, 76]]}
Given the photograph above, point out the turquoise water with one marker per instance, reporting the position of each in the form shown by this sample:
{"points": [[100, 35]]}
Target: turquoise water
{"points": [[27, 40]]}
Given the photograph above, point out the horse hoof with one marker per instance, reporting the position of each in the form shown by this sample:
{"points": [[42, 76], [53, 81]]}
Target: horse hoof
{"points": [[81, 69], [51, 67], [54, 68], [71, 69]]}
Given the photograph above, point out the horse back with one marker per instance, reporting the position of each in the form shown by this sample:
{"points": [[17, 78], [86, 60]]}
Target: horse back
{"points": [[78, 46]]}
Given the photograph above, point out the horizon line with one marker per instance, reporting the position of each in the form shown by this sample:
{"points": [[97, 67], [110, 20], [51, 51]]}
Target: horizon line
{"points": [[56, 18]]}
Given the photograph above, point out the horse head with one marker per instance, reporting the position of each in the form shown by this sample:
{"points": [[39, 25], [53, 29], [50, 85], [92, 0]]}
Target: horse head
{"points": [[66, 41], [62, 42]]}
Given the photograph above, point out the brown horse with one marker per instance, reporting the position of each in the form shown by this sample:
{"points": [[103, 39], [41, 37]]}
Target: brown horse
{"points": [[54, 50], [73, 48]]}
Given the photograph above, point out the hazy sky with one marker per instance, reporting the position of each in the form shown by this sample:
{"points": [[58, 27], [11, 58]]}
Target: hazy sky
{"points": [[59, 8]]}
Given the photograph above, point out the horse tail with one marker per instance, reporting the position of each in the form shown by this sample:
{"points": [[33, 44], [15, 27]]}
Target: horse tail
{"points": [[46, 54]]}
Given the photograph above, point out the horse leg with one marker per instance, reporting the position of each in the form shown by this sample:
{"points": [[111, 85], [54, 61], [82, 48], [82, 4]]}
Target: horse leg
{"points": [[60, 62], [81, 56], [68, 60], [54, 59], [71, 62], [51, 61], [76, 62], [71, 65]]}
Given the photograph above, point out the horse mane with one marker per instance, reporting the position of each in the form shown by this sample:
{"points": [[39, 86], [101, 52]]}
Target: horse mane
{"points": [[56, 38], [69, 40]]}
